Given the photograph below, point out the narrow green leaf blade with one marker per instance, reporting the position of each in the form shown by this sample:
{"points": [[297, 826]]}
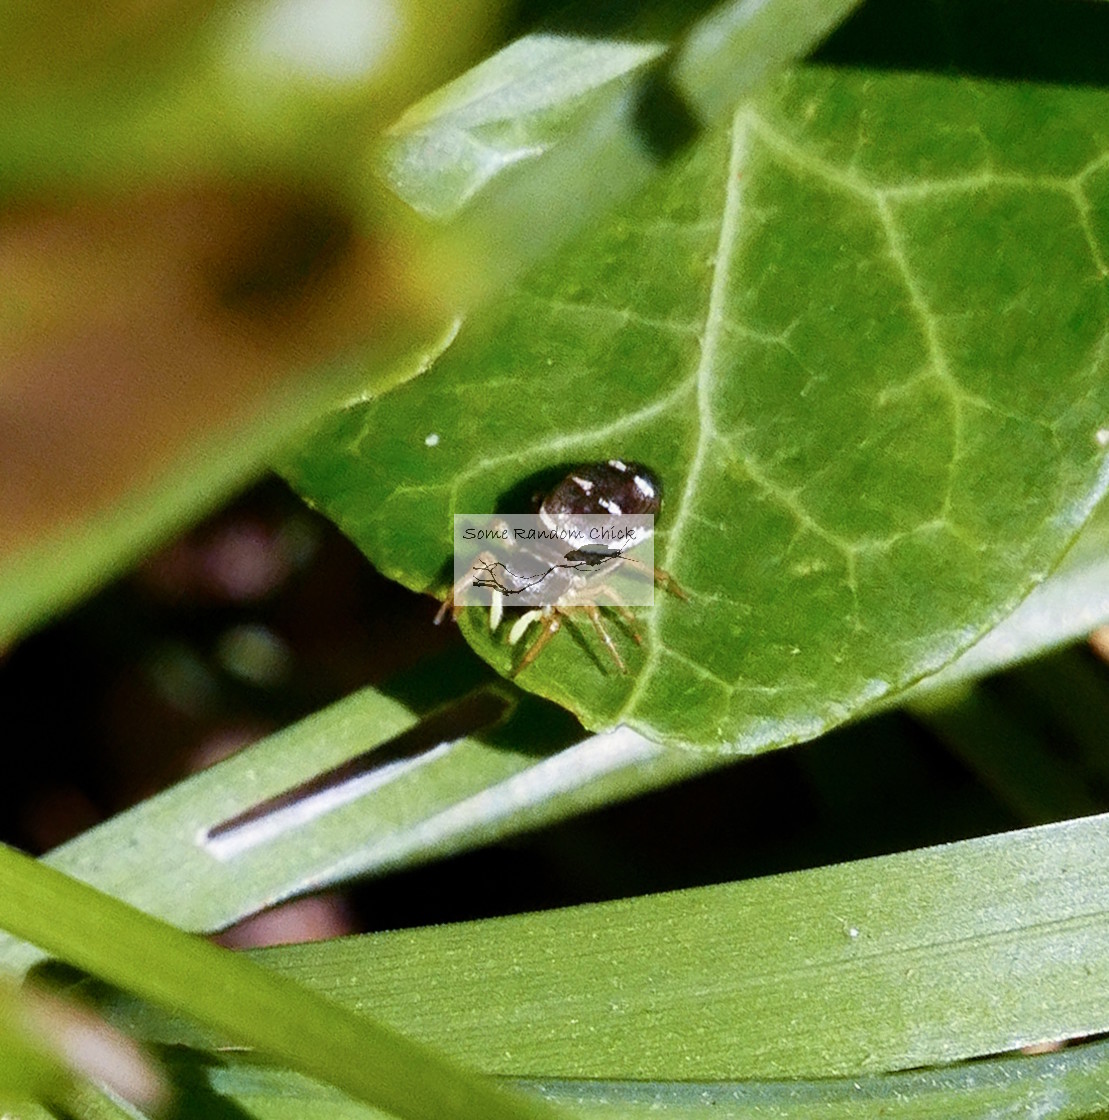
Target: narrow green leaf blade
{"points": [[243, 1001], [915, 959], [366, 786], [1061, 1086]]}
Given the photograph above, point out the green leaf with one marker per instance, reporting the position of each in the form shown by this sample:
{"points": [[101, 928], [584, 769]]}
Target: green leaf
{"points": [[1063, 609], [860, 337], [30, 1067], [1065, 1086], [916, 959], [539, 142], [136, 101], [366, 786], [243, 1001], [1062, 1086]]}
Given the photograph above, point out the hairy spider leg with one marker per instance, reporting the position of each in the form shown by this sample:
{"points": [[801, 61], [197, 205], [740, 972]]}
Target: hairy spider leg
{"points": [[662, 578], [611, 600], [629, 618], [552, 617], [594, 615], [668, 583], [450, 602], [552, 623]]}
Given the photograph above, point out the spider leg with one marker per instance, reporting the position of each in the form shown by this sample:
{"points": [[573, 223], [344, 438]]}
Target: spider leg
{"points": [[629, 618], [446, 605], [668, 583], [521, 624], [552, 623], [663, 578], [450, 602], [595, 617]]}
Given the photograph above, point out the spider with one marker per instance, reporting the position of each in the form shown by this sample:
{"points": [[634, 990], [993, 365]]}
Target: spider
{"points": [[613, 488]]}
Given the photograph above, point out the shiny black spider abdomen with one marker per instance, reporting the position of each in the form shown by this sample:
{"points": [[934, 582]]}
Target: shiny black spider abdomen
{"points": [[615, 488]]}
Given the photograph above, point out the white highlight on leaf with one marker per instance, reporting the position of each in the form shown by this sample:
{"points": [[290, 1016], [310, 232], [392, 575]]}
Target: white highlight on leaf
{"points": [[229, 845], [1102, 437], [341, 40], [531, 793], [421, 363], [432, 439]]}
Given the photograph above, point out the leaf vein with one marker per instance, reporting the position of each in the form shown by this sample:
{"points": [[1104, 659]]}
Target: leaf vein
{"points": [[701, 378]]}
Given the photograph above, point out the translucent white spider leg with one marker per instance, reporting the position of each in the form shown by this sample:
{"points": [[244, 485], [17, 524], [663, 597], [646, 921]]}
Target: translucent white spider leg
{"points": [[521, 624]]}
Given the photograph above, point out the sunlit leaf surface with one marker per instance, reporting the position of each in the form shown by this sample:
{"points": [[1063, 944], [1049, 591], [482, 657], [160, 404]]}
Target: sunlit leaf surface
{"points": [[915, 959], [860, 336], [1060, 1086]]}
